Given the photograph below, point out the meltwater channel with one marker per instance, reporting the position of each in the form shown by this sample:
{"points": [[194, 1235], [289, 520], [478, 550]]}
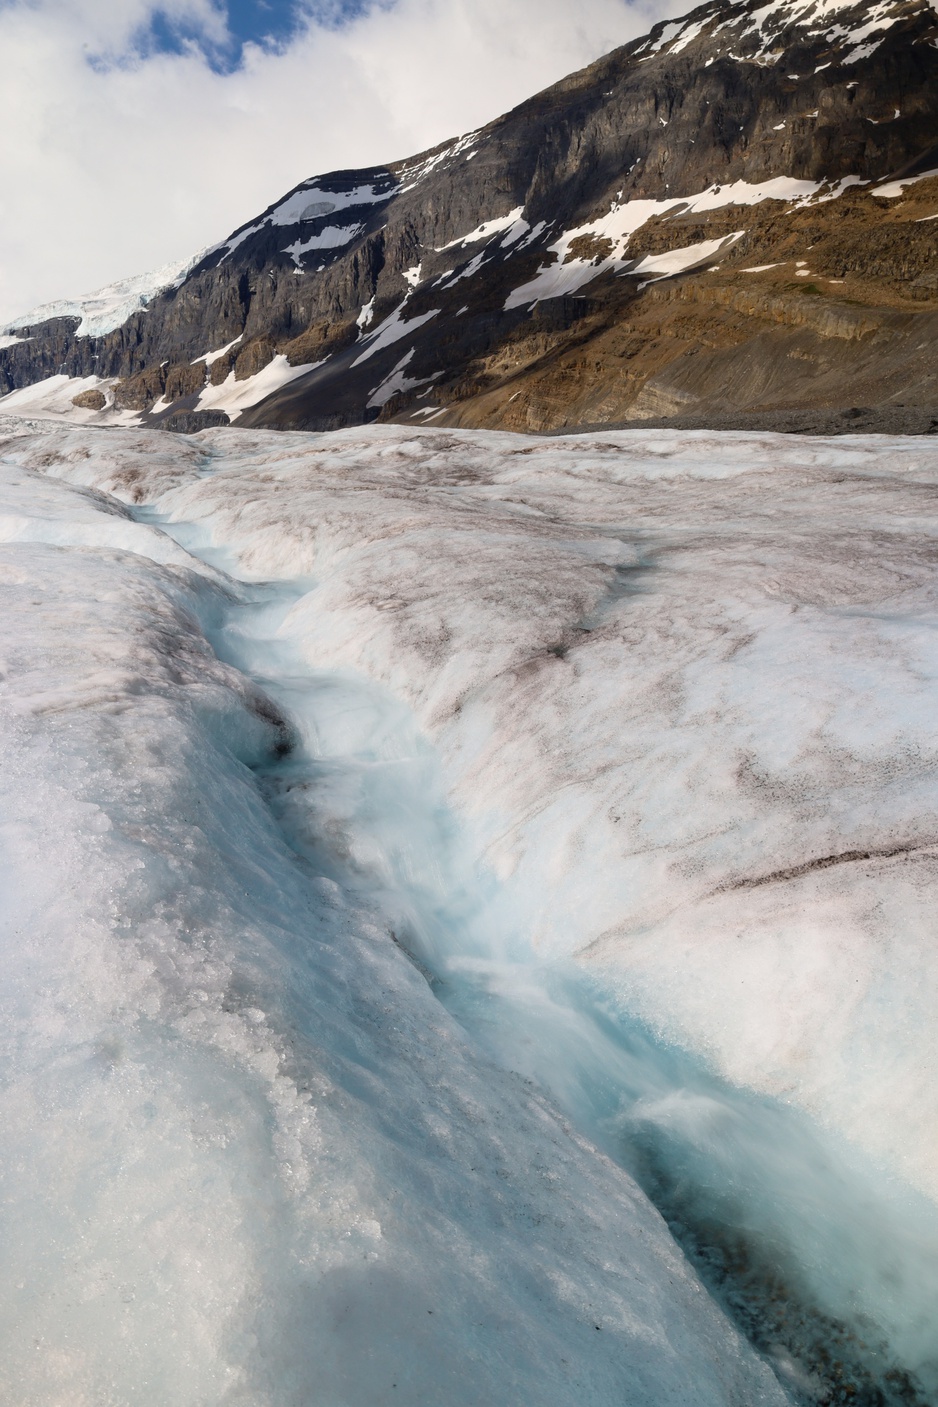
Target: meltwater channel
{"points": [[828, 1265]]}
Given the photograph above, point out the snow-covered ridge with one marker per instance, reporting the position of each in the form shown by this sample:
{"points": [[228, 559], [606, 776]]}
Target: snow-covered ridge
{"points": [[418, 169], [109, 307], [849, 25]]}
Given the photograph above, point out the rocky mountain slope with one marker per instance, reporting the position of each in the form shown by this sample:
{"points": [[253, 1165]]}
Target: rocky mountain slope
{"points": [[731, 221]]}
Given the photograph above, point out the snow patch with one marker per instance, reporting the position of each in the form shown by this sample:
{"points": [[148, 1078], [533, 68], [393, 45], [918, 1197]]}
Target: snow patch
{"points": [[837, 189], [517, 231], [505, 223], [417, 171], [209, 358], [688, 35], [397, 381], [893, 189], [234, 397], [469, 271], [862, 51], [678, 261], [332, 237], [392, 330], [654, 46], [569, 273], [298, 207], [52, 399]]}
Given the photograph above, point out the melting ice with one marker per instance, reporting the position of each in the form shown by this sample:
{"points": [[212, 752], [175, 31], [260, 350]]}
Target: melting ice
{"points": [[473, 838]]}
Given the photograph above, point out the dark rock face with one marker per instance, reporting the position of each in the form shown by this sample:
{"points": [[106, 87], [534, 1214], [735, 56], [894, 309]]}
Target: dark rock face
{"points": [[189, 422], [368, 277]]}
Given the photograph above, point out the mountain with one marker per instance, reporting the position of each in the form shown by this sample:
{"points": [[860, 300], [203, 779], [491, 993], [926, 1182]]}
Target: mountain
{"points": [[733, 220]]}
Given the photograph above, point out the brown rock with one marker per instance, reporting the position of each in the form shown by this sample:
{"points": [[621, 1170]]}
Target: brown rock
{"points": [[183, 379], [253, 358], [140, 391], [222, 368], [319, 341], [90, 400]]}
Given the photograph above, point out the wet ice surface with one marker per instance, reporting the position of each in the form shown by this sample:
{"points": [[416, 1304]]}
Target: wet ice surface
{"points": [[248, 1158], [628, 743]]}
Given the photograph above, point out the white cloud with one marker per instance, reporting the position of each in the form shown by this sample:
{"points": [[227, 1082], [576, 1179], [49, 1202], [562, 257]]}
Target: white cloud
{"points": [[112, 164]]}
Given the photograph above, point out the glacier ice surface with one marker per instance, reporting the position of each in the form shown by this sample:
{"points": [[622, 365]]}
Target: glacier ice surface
{"points": [[249, 1158], [628, 740]]}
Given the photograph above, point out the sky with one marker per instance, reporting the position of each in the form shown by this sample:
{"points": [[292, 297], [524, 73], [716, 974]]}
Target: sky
{"points": [[134, 133]]}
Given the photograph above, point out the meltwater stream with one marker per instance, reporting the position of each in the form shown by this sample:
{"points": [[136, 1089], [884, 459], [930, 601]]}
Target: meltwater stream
{"points": [[828, 1265]]}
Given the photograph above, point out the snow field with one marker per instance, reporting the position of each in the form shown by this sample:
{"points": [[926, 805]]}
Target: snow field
{"points": [[52, 399], [248, 1157]]}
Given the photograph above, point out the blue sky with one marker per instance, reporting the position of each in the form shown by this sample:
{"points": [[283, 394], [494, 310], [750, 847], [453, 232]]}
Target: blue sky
{"points": [[273, 24], [266, 22]]}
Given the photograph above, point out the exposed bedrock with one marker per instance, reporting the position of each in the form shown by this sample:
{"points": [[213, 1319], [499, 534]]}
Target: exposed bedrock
{"points": [[514, 277]]}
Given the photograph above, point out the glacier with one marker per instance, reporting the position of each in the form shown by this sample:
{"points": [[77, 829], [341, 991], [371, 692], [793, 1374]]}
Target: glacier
{"points": [[438, 863], [108, 308]]}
